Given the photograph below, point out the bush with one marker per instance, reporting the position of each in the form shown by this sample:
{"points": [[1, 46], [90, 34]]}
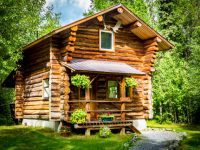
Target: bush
{"points": [[166, 118], [78, 116], [104, 132], [81, 81], [130, 82]]}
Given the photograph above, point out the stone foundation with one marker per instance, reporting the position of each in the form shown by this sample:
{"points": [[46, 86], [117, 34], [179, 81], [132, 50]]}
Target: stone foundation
{"points": [[41, 123], [140, 124]]}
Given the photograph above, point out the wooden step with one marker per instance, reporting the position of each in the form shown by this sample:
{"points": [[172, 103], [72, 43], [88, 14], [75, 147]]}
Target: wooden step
{"points": [[134, 129]]}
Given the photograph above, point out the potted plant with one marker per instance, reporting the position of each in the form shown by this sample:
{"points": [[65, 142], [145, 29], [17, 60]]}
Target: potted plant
{"points": [[130, 82], [81, 81], [107, 117], [104, 132], [78, 116]]}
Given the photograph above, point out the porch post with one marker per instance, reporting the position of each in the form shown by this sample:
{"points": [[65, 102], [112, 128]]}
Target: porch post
{"points": [[123, 114], [122, 99], [87, 108]]}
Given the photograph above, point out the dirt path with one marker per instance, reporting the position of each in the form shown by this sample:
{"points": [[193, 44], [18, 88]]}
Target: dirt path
{"points": [[158, 140]]}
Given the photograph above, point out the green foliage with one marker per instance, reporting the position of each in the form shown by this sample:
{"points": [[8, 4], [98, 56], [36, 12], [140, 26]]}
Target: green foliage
{"points": [[43, 139], [176, 80], [165, 118], [139, 7], [130, 82], [78, 116], [22, 22], [81, 81], [104, 132]]}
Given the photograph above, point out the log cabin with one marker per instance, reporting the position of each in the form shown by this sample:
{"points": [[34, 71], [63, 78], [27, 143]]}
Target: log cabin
{"points": [[108, 47]]}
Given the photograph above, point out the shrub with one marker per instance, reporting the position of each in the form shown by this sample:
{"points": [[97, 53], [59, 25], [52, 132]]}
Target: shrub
{"points": [[104, 132], [130, 82], [78, 116], [81, 81], [166, 118], [65, 131]]}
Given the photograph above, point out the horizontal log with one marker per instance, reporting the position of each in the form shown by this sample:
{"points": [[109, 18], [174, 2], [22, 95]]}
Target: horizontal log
{"points": [[39, 107], [33, 98], [36, 103], [36, 112], [135, 113], [46, 117]]}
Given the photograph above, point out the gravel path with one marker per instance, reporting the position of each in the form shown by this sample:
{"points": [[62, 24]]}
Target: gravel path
{"points": [[158, 140]]}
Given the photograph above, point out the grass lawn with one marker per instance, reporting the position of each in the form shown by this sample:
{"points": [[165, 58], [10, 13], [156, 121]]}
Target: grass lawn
{"points": [[29, 138], [192, 142]]}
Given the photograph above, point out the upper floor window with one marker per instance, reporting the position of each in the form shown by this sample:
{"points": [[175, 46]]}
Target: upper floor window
{"points": [[106, 40], [46, 91]]}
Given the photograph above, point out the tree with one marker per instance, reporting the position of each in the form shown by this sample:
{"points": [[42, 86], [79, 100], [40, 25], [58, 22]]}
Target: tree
{"points": [[21, 22], [179, 22], [139, 7]]}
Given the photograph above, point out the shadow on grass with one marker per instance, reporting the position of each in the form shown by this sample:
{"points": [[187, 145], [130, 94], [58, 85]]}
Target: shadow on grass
{"points": [[25, 138]]}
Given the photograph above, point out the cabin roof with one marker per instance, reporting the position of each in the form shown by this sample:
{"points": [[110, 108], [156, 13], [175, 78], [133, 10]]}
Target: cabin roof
{"points": [[100, 66], [128, 18]]}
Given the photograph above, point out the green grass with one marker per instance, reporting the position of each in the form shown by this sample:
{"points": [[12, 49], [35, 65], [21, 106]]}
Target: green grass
{"points": [[28, 138], [192, 142]]}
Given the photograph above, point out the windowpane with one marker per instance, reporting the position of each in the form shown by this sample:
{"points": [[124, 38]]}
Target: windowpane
{"points": [[127, 92], [46, 88], [112, 89], [106, 40], [46, 92]]}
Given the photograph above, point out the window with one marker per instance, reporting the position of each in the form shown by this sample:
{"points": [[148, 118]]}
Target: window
{"points": [[127, 91], [112, 89], [46, 88], [106, 40]]}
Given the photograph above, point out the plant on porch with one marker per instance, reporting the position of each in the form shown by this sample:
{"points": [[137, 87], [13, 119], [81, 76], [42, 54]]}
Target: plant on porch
{"points": [[78, 116], [130, 82], [81, 81], [104, 132]]}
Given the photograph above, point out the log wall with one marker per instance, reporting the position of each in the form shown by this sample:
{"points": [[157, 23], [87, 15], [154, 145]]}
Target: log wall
{"points": [[19, 90], [56, 105], [34, 71], [128, 49], [44, 61]]}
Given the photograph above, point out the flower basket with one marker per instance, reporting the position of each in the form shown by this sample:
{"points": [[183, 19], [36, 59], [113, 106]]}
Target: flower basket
{"points": [[107, 117]]}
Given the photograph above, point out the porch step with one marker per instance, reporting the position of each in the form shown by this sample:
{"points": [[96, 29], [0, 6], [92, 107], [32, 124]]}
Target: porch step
{"points": [[114, 124], [134, 129]]}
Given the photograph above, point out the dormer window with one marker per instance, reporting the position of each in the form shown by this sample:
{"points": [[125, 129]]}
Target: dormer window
{"points": [[106, 40]]}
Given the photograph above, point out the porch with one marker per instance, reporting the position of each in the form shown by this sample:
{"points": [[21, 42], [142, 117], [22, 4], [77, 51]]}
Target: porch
{"points": [[107, 95]]}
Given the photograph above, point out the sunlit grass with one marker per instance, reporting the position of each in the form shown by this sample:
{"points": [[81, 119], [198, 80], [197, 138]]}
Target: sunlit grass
{"points": [[191, 142], [28, 138]]}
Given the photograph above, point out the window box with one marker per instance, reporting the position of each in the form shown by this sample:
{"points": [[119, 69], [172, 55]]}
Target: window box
{"points": [[107, 118]]}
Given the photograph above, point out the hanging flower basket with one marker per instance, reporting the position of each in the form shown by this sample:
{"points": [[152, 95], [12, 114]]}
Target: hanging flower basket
{"points": [[81, 81], [130, 82]]}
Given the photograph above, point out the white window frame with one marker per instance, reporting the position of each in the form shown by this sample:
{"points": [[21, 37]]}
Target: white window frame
{"points": [[112, 42], [44, 87]]}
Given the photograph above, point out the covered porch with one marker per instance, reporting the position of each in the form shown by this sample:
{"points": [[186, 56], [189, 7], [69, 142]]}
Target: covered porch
{"points": [[107, 93]]}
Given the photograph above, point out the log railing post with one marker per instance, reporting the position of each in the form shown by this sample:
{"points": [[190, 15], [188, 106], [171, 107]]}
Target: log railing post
{"points": [[87, 106], [122, 99]]}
